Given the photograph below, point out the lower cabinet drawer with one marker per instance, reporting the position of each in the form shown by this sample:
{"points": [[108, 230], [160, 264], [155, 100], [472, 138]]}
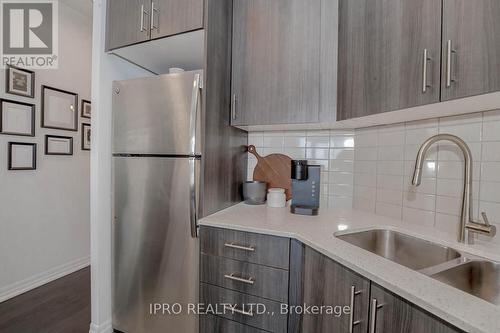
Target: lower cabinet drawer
{"points": [[215, 324], [245, 246], [257, 280], [243, 308]]}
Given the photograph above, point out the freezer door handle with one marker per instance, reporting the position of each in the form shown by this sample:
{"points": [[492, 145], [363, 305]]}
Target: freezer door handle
{"points": [[194, 113], [193, 197]]}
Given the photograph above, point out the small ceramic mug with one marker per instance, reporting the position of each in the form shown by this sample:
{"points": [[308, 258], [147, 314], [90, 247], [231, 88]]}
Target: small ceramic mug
{"points": [[276, 198]]}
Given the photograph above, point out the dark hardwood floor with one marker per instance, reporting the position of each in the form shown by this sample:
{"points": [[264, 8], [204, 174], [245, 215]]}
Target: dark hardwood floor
{"points": [[61, 306]]}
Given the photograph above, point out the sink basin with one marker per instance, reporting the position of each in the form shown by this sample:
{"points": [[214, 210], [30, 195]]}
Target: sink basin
{"points": [[414, 253], [479, 278]]}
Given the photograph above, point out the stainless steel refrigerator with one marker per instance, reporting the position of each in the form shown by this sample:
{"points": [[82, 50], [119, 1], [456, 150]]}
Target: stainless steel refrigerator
{"points": [[156, 156]]}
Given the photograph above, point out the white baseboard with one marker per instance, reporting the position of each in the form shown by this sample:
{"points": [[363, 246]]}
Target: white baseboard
{"points": [[38, 280], [102, 328]]}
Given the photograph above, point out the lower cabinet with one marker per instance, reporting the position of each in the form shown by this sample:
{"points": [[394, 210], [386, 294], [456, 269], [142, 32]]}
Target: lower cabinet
{"points": [[328, 283], [390, 313], [302, 291]]}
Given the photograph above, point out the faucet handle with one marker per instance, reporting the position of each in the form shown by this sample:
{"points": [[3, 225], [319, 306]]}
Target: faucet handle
{"points": [[485, 219]]}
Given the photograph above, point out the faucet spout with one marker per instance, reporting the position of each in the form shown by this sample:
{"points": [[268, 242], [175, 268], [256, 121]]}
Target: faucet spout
{"points": [[466, 220]]}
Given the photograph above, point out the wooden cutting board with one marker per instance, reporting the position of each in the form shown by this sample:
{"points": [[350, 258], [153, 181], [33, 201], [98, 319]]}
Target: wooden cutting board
{"points": [[274, 169]]}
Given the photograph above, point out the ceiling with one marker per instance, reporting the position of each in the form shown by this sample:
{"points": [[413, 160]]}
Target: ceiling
{"points": [[82, 6]]}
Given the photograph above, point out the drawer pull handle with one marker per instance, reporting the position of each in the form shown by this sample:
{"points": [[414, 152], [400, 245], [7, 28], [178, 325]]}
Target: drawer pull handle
{"points": [[239, 247], [352, 323], [233, 277], [236, 310]]}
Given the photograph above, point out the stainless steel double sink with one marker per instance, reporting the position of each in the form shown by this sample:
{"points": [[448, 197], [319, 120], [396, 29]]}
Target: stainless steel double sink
{"points": [[471, 274]]}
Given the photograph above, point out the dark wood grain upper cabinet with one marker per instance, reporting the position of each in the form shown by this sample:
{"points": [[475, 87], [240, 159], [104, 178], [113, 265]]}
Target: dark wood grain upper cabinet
{"points": [[127, 22], [171, 17], [276, 61], [470, 48], [392, 314], [325, 282], [382, 66]]}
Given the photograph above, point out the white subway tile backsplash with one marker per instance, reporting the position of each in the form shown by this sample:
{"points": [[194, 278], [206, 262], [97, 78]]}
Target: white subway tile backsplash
{"points": [[346, 141], [391, 153], [393, 168], [490, 171], [491, 152], [317, 153], [318, 141], [295, 141], [390, 196], [491, 131], [390, 138], [342, 154], [419, 201], [365, 154], [341, 178], [339, 202], [470, 132], [273, 141], [419, 135], [385, 209], [371, 168], [490, 191], [418, 216], [390, 182]]}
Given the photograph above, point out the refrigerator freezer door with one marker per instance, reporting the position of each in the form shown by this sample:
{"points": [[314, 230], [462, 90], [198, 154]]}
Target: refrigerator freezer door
{"points": [[157, 115], [155, 257]]}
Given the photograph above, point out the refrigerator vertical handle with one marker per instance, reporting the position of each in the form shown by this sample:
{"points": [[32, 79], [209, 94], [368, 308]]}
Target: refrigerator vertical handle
{"points": [[193, 198], [194, 113]]}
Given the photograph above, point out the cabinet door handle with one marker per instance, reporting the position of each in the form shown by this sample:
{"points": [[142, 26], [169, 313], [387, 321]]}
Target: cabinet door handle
{"points": [[233, 107], [239, 247], [351, 304], [426, 58], [373, 315], [143, 12], [234, 277], [449, 52], [153, 11], [240, 311]]}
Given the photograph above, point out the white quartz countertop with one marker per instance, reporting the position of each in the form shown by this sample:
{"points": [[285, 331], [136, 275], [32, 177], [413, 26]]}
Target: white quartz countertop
{"points": [[462, 310]]}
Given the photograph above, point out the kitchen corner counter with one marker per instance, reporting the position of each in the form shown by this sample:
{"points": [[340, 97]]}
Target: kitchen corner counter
{"points": [[462, 310]]}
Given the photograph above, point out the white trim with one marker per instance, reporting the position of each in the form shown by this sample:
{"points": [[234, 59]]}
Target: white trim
{"points": [[103, 328], [20, 287]]}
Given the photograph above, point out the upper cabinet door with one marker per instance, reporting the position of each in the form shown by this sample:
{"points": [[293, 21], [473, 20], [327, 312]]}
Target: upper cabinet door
{"points": [[171, 17], [127, 22], [389, 55], [471, 48], [276, 57]]}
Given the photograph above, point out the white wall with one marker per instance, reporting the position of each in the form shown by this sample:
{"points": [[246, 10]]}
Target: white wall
{"points": [[105, 69], [45, 214]]}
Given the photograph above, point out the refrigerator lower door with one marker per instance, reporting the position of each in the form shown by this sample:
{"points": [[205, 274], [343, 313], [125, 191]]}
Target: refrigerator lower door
{"points": [[155, 257]]}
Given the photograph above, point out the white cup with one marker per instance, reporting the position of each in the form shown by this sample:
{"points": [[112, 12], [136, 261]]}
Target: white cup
{"points": [[276, 198]]}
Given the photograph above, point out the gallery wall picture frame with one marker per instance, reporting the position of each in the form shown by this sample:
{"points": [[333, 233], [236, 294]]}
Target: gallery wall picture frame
{"points": [[86, 109], [19, 81], [59, 109], [86, 136], [21, 156], [17, 118], [58, 145]]}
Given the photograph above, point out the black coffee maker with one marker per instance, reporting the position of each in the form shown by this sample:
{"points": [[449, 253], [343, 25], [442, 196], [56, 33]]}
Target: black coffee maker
{"points": [[305, 188]]}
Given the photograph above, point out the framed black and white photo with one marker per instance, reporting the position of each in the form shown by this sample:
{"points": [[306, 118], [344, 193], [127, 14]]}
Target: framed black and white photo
{"points": [[20, 81], [17, 118], [86, 108], [59, 109], [58, 145], [21, 156], [86, 136]]}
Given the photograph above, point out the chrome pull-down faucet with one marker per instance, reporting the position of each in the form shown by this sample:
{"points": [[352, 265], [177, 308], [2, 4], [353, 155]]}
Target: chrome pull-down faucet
{"points": [[467, 223]]}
